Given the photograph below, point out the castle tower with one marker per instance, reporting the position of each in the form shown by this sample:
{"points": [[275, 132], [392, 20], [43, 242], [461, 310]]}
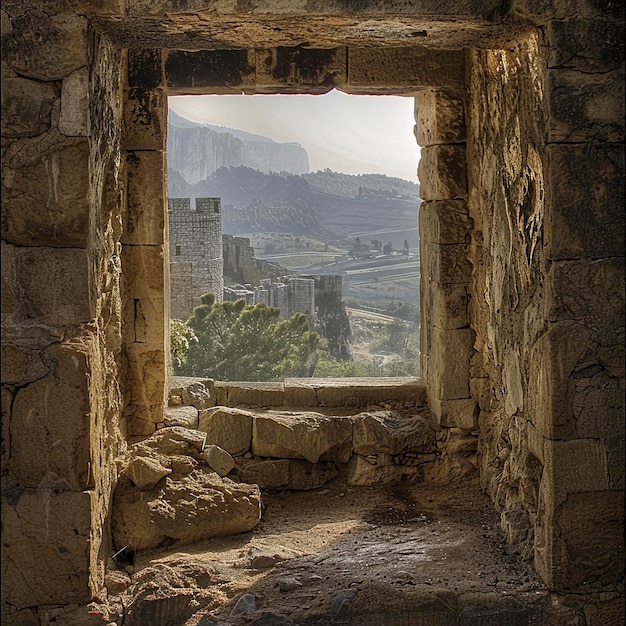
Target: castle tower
{"points": [[196, 259]]}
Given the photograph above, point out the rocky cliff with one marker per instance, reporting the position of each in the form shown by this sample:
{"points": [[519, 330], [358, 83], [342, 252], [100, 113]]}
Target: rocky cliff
{"points": [[198, 150]]}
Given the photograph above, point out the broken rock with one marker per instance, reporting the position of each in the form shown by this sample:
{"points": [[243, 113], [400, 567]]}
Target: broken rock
{"points": [[218, 459]]}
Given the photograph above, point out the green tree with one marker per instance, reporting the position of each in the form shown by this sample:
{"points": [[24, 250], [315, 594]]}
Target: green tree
{"points": [[181, 338], [249, 342]]}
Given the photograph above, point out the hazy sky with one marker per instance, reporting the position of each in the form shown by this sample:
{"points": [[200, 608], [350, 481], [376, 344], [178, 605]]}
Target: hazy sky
{"points": [[350, 134]]}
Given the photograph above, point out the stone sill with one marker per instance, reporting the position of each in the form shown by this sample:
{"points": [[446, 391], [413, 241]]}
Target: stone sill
{"points": [[311, 392]]}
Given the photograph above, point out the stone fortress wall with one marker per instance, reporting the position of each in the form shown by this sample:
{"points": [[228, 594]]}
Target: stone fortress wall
{"points": [[520, 115], [195, 245]]}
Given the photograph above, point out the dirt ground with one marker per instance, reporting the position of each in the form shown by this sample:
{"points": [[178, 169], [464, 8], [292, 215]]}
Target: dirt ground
{"points": [[407, 554]]}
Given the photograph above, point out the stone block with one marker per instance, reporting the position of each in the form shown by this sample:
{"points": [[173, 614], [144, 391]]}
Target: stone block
{"points": [[554, 357], [267, 474], [313, 68], [146, 384], [145, 472], [21, 366], [230, 429], [299, 394], [144, 321], [379, 470], [62, 189], [442, 173], [46, 46], [585, 191], [570, 41], [74, 116], [445, 222], [439, 117], [185, 416], [386, 432], [578, 290], [615, 459], [449, 305], [597, 401], [213, 69], [456, 413], [45, 535], [304, 475], [297, 436], [145, 116], [383, 67], [145, 69], [449, 363], [50, 445], [585, 107], [449, 264], [253, 394], [218, 459], [26, 107], [147, 207]]}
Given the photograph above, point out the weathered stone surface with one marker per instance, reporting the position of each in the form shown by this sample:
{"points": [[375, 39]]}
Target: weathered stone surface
{"points": [[249, 394], [189, 504], [198, 395], [304, 475], [578, 106], [46, 47], [449, 309], [439, 117], [585, 220], [445, 222], [62, 190], [145, 472], [388, 432], [21, 366], [268, 474], [442, 173], [50, 445], [297, 436], [145, 116], [456, 413], [405, 67], [30, 517], [146, 381], [146, 211], [321, 68], [230, 429], [450, 363], [26, 107], [74, 117], [449, 264], [379, 471], [144, 321], [218, 459], [185, 416]]}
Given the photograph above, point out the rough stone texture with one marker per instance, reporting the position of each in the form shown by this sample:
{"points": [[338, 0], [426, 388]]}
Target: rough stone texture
{"points": [[145, 473], [28, 106], [442, 173], [267, 474], [307, 436], [218, 459], [74, 116], [379, 470], [249, 394], [230, 429], [185, 416], [440, 117]]}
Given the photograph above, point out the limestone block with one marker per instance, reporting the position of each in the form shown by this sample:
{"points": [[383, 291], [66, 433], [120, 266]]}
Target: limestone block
{"points": [[210, 68], [449, 363], [147, 206], [26, 107], [445, 222], [62, 189], [197, 506], [406, 67], [388, 432], [554, 358], [74, 117], [585, 107], [46, 46], [21, 366], [218, 459], [45, 535], [250, 394], [50, 445], [185, 416], [145, 472], [304, 475], [570, 41], [230, 429], [439, 117], [145, 114], [338, 392], [177, 440], [268, 474], [456, 413], [146, 383], [310, 67], [381, 471], [6, 399], [302, 435], [299, 394], [577, 290], [597, 402], [144, 321], [615, 459], [450, 305], [449, 264], [585, 219], [145, 68], [442, 173]]}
